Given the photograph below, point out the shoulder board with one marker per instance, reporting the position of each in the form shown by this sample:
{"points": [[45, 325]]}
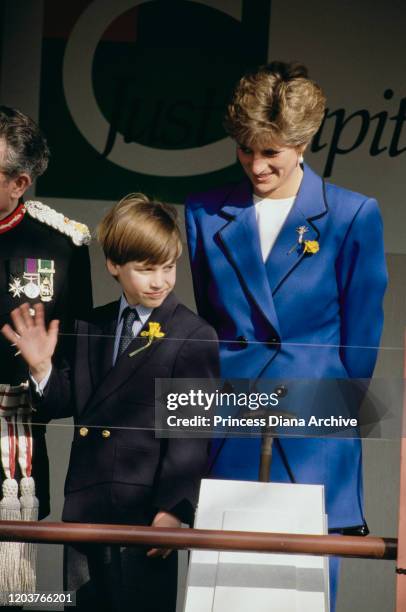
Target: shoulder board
{"points": [[78, 232]]}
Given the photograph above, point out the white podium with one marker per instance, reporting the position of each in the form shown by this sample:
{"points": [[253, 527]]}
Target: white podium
{"points": [[258, 582]]}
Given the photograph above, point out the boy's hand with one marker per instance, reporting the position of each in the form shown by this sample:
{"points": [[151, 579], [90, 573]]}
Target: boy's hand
{"points": [[31, 338], [163, 519]]}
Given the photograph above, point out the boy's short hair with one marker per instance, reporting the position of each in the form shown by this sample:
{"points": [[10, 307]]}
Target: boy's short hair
{"points": [[140, 229]]}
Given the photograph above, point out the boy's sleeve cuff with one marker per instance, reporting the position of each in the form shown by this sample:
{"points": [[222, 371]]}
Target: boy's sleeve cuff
{"points": [[39, 387]]}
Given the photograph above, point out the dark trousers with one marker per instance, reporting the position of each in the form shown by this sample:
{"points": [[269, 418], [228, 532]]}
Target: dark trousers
{"points": [[117, 579]]}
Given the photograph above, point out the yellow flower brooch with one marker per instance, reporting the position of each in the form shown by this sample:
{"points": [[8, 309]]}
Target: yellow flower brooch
{"points": [[153, 332], [311, 246]]}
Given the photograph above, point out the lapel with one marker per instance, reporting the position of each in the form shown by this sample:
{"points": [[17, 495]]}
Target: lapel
{"points": [[101, 343], [111, 378], [239, 238], [310, 205]]}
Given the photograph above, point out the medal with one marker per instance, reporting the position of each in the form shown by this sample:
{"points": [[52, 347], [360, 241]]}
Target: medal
{"points": [[31, 290], [37, 280], [46, 271], [16, 288]]}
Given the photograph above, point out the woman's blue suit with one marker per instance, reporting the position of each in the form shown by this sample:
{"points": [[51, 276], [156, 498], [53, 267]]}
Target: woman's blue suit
{"points": [[296, 316]]}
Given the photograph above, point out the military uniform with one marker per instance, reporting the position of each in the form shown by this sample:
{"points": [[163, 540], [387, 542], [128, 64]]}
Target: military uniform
{"points": [[43, 257]]}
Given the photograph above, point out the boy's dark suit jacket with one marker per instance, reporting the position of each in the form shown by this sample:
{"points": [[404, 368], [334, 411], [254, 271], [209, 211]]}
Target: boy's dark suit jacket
{"points": [[118, 471]]}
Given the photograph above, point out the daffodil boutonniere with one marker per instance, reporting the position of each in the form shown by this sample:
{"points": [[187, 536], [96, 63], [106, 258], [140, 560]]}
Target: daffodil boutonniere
{"points": [[153, 332], [311, 246]]}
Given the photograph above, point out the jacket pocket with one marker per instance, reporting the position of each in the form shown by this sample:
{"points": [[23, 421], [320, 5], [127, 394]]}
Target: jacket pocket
{"points": [[132, 489], [90, 463]]}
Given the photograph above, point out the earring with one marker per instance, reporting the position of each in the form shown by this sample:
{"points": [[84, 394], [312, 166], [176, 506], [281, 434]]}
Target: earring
{"points": [[300, 159]]}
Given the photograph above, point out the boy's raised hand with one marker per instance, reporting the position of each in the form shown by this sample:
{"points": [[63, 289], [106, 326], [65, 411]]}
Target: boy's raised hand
{"points": [[31, 338]]}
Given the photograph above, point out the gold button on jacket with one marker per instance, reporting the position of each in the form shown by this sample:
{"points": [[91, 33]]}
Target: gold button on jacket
{"points": [[83, 431], [106, 433]]}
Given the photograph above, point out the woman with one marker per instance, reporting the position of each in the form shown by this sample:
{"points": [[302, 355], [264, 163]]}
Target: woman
{"points": [[291, 273]]}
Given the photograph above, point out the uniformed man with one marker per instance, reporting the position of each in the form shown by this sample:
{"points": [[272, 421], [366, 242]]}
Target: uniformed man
{"points": [[43, 257]]}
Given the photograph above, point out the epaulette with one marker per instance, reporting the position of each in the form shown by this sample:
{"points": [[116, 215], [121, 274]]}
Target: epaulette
{"points": [[78, 232]]}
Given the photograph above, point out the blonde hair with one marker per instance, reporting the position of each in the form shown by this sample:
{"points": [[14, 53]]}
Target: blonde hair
{"points": [[140, 229], [277, 103]]}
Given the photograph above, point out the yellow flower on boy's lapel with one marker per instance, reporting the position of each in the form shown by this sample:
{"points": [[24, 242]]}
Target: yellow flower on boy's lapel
{"points": [[311, 246], [153, 331]]}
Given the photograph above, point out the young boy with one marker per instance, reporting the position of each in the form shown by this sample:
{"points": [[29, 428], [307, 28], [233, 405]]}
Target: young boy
{"points": [[118, 471]]}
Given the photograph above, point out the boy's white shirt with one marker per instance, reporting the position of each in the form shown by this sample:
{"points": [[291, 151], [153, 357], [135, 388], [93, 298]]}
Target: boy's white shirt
{"points": [[143, 313]]}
